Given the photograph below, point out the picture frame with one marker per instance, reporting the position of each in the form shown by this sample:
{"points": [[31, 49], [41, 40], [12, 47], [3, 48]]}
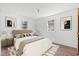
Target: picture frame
{"points": [[66, 23], [50, 25], [9, 21], [24, 24]]}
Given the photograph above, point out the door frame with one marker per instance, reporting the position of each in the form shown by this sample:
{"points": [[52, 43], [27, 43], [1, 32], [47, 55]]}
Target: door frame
{"points": [[78, 31]]}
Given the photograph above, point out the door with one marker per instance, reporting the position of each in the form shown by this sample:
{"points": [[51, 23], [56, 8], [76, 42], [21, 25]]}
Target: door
{"points": [[78, 31]]}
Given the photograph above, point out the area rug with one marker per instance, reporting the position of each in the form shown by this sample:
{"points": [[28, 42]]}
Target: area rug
{"points": [[51, 51], [12, 51]]}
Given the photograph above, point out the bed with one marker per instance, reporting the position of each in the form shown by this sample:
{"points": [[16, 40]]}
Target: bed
{"points": [[31, 45]]}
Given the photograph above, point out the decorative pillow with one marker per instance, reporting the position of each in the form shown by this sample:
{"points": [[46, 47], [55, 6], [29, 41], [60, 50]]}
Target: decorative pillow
{"points": [[19, 36], [31, 34], [24, 35], [27, 35]]}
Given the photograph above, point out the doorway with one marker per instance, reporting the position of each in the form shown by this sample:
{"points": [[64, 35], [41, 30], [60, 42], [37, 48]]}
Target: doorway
{"points": [[78, 31]]}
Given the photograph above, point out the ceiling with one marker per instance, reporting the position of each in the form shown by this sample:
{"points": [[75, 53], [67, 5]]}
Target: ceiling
{"points": [[35, 10]]}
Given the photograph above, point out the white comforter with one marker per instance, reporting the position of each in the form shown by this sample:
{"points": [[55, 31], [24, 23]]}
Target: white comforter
{"points": [[36, 48], [19, 40]]}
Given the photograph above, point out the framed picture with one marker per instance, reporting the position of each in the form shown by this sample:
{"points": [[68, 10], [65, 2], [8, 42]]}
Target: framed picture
{"points": [[9, 21], [66, 23], [50, 25], [24, 24]]}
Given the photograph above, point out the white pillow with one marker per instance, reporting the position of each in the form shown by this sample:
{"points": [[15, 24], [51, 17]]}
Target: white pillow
{"points": [[18, 36]]}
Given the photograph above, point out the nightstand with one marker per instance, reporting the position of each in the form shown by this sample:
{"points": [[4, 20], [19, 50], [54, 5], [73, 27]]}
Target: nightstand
{"points": [[6, 40]]}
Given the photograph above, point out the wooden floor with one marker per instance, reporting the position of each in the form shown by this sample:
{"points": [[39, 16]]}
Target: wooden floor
{"points": [[66, 51], [62, 51]]}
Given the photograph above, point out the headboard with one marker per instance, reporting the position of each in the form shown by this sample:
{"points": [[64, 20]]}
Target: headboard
{"points": [[15, 32]]}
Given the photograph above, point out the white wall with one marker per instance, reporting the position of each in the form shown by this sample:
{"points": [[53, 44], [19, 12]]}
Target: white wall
{"points": [[68, 38], [13, 11], [18, 21]]}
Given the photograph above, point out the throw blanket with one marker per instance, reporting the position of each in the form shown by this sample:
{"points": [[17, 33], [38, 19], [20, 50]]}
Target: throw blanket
{"points": [[24, 42]]}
